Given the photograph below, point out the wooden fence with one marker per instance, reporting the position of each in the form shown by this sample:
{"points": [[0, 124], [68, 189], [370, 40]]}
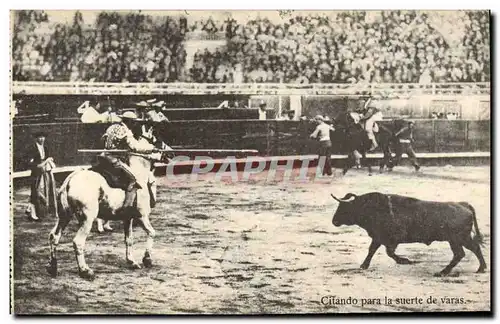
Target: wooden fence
{"points": [[270, 138]]}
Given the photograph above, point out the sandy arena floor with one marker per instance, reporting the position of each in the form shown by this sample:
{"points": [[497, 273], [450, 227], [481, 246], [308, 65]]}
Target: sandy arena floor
{"points": [[257, 246]]}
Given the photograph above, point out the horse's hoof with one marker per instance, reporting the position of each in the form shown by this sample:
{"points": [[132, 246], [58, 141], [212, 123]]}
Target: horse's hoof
{"points": [[108, 228], [133, 265], [52, 269], [370, 174], [148, 263], [481, 270], [87, 274], [364, 266]]}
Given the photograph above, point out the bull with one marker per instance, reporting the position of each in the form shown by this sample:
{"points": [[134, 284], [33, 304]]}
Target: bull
{"points": [[393, 219]]}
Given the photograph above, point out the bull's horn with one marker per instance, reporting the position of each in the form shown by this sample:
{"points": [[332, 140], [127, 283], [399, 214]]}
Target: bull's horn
{"points": [[347, 198], [335, 198]]}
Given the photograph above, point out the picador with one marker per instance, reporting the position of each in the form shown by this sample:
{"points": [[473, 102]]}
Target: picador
{"points": [[121, 136]]}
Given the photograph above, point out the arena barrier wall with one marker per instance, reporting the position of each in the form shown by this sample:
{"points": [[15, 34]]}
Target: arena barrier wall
{"points": [[270, 138], [52, 100]]}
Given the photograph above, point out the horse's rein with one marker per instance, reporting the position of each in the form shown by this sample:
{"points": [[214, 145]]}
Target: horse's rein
{"points": [[145, 156]]}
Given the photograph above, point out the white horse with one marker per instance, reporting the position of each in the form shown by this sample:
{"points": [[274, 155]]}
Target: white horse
{"points": [[87, 195]]}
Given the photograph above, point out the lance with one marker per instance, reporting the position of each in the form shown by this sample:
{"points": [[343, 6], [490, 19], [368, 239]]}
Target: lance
{"points": [[169, 150]]}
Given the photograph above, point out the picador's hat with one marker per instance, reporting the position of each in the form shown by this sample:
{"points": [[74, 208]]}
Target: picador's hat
{"points": [[40, 134], [319, 117], [130, 115]]}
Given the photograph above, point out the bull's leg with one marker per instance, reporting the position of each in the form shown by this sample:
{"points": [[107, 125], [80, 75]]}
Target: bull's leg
{"points": [[129, 242], [150, 232], [371, 251], [54, 237], [476, 249], [79, 243], [458, 254], [391, 252]]}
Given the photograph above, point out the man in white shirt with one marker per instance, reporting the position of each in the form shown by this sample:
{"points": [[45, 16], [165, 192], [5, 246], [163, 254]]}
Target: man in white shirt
{"points": [[156, 115], [322, 133], [110, 116], [370, 118], [91, 114], [262, 111]]}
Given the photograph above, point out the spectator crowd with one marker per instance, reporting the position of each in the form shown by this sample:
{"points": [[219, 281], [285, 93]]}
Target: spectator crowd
{"points": [[120, 48], [351, 47], [398, 47]]}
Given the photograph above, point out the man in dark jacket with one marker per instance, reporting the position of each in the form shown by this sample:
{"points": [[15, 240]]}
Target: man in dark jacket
{"points": [[404, 145], [42, 181]]}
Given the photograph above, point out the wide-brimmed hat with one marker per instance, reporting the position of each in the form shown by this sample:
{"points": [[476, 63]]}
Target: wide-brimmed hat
{"points": [[160, 104], [40, 134], [143, 104], [129, 115]]}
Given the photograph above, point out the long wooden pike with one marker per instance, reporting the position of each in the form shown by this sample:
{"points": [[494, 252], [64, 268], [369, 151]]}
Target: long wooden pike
{"points": [[170, 150]]}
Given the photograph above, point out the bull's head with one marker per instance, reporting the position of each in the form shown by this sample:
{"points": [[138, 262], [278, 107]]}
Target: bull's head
{"points": [[345, 213]]}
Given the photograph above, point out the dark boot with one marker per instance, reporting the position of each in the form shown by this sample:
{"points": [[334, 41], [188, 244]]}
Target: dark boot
{"points": [[130, 194]]}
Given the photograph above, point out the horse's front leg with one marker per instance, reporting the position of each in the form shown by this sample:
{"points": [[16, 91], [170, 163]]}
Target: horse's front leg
{"points": [[129, 242], [348, 163], [357, 159], [386, 160], [367, 163], [150, 232]]}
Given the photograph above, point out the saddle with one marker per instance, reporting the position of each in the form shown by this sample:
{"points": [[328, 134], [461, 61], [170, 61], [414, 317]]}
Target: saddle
{"points": [[109, 168], [115, 176]]}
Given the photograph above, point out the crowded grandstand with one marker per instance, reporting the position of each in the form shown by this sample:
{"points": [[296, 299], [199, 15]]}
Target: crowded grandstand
{"points": [[300, 47]]}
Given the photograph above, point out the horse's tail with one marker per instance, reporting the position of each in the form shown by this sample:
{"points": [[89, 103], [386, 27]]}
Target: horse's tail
{"points": [[62, 194]]}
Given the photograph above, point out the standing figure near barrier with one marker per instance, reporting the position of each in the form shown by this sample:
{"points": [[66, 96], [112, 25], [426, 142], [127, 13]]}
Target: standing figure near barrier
{"points": [[370, 117], [322, 133], [42, 179], [404, 145], [156, 114]]}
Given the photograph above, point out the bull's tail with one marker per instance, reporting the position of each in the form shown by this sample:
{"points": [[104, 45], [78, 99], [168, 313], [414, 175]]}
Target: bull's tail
{"points": [[478, 237]]}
